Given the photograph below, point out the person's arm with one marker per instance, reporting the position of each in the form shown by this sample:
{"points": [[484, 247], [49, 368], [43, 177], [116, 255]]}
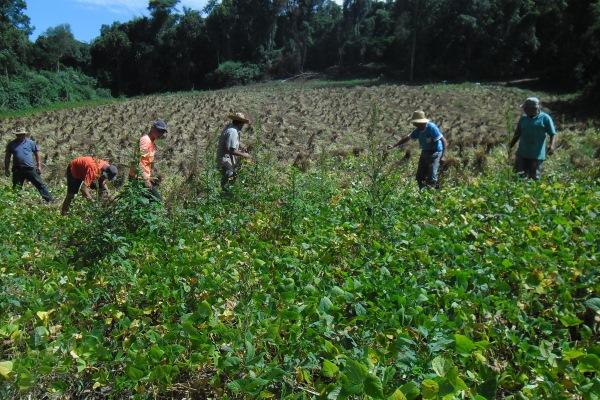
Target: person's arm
{"points": [[445, 144], [551, 131], [37, 162], [551, 145], [239, 153], [516, 136], [401, 141], [7, 156], [103, 192], [86, 192]]}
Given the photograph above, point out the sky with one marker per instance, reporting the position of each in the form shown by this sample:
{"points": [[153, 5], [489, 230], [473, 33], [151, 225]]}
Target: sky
{"points": [[87, 16]]}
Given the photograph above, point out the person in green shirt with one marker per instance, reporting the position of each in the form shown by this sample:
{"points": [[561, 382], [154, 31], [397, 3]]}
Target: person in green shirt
{"points": [[532, 132]]}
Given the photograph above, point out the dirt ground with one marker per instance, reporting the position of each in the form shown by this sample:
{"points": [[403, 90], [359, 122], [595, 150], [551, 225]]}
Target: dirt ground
{"points": [[313, 119]]}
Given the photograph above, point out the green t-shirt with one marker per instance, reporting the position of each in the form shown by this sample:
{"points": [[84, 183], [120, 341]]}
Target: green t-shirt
{"points": [[532, 141]]}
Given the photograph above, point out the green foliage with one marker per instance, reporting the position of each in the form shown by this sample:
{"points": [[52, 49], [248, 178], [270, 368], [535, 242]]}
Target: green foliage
{"points": [[37, 89], [482, 290], [233, 73]]}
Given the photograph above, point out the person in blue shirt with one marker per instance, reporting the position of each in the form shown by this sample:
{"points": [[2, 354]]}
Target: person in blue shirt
{"points": [[433, 146], [23, 150], [532, 131]]}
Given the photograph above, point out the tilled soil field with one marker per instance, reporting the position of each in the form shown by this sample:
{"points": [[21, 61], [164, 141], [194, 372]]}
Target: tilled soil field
{"points": [[308, 119]]}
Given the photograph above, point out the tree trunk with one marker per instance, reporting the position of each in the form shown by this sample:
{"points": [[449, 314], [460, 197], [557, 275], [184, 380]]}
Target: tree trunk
{"points": [[413, 50]]}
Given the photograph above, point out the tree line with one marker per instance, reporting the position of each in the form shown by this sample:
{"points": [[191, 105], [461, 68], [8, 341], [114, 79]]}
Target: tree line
{"points": [[238, 41]]}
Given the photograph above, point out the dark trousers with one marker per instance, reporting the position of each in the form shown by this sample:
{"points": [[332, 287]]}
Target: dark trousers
{"points": [[427, 172], [22, 174], [529, 167]]}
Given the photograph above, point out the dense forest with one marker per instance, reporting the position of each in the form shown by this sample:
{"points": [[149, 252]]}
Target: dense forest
{"points": [[238, 41]]}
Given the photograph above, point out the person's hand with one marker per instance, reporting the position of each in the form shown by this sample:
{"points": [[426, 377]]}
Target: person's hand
{"points": [[38, 170], [390, 146], [550, 151]]}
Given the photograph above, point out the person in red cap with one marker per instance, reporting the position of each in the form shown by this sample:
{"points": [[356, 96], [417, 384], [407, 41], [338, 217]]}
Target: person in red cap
{"points": [[158, 130], [87, 170]]}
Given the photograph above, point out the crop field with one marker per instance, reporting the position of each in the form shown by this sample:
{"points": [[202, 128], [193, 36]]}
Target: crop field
{"points": [[326, 273], [310, 120]]}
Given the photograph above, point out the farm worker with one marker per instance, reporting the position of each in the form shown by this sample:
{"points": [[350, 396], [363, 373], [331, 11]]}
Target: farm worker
{"points": [[228, 148], [531, 133], [158, 130], [433, 146], [23, 151], [87, 170]]}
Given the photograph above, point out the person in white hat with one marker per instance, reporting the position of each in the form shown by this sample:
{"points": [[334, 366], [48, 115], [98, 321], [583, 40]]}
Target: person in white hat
{"points": [[228, 149], [533, 129], [23, 151], [433, 146]]}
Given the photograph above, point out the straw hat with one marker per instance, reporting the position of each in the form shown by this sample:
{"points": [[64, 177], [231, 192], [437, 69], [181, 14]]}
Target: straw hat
{"points": [[239, 117], [418, 117], [21, 131]]}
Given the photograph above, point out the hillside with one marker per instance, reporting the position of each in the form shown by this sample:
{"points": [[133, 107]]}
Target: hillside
{"points": [[335, 279]]}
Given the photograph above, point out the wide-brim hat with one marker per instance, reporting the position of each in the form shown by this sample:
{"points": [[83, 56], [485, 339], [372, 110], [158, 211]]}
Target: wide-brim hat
{"points": [[418, 117], [21, 131], [239, 117]]}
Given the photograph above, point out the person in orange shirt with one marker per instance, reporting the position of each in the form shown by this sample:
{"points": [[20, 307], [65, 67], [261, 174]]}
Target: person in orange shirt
{"points": [[147, 152], [87, 170]]}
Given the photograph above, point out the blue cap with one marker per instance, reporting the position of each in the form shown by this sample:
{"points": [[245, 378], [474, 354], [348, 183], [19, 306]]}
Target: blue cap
{"points": [[160, 125]]}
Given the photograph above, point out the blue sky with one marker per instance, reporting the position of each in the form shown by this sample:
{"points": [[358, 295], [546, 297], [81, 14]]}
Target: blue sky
{"points": [[87, 16]]}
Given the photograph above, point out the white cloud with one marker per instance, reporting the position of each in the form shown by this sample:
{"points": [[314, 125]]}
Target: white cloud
{"points": [[131, 7]]}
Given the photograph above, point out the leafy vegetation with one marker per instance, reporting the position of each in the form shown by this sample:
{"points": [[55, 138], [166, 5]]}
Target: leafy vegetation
{"points": [[232, 42], [296, 287], [44, 88]]}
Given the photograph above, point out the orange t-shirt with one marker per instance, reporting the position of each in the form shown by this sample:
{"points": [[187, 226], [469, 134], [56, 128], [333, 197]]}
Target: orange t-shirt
{"points": [[87, 169], [147, 151]]}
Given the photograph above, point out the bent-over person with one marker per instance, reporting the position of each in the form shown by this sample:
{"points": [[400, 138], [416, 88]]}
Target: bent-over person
{"points": [[86, 172]]}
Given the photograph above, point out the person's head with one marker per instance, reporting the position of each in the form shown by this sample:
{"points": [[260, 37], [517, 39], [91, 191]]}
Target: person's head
{"points": [[21, 134], [158, 130], [531, 107], [109, 172], [418, 120], [239, 120]]}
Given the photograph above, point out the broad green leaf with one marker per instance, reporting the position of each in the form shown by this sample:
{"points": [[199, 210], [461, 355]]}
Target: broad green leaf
{"points": [[373, 387], [6, 368], [204, 309], [429, 389], [441, 366], [397, 395], [135, 374], [329, 369], [464, 345], [588, 363], [593, 304], [354, 377], [410, 390], [570, 320], [572, 354], [325, 304], [455, 380]]}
